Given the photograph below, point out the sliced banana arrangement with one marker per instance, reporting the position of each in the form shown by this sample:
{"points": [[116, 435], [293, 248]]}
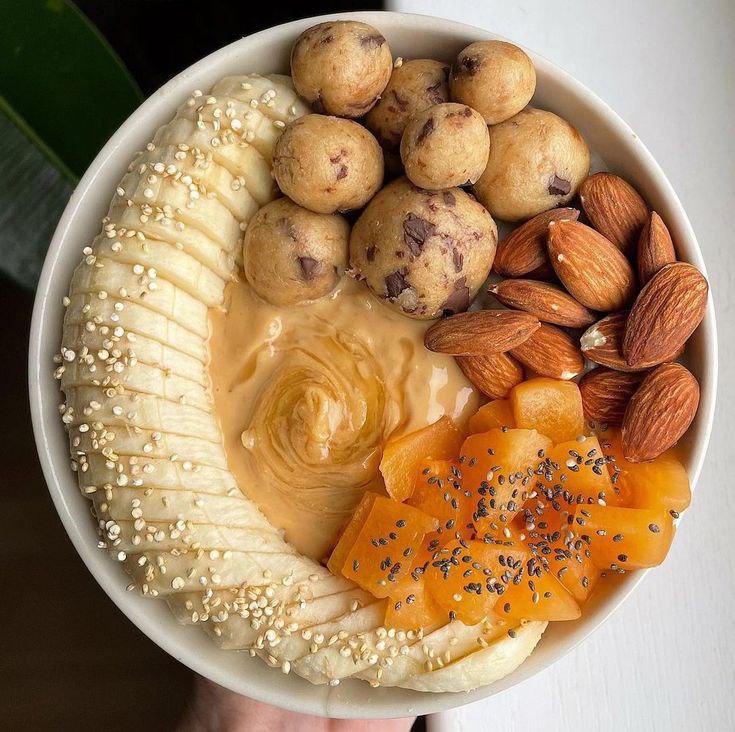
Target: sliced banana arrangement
{"points": [[145, 435]]}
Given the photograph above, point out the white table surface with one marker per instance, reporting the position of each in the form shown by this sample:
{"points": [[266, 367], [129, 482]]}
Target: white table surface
{"points": [[666, 659]]}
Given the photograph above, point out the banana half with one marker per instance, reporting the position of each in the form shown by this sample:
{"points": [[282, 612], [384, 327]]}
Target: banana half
{"points": [[145, 441]]}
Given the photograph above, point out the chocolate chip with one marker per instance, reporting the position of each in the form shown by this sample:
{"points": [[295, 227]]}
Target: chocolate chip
{"points": [[470, 65], [395, 284], [402, 103], [327, 39], [370, 253], [459, 300], [467, 112], [559, 187], [435, 92], [310, 267], [457, 259], [426, 130], [415, 232], [375, 40], [336, 158], [342, 172], [449, 199]]}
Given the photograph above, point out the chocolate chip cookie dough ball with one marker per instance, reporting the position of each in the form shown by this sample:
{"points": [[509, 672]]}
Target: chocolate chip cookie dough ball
{"points": [[495, 78], [328, 164], [424, 253], [444, 146], [292, 255], [413, 86], [341, 67], [537, 161]]}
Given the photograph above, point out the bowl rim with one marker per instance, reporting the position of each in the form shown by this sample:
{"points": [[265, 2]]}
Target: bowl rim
{"points": [[58, 477]]}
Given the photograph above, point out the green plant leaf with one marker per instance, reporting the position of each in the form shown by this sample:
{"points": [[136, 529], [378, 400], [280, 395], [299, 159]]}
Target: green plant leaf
{"points": [[61, 76], [33, 193]]}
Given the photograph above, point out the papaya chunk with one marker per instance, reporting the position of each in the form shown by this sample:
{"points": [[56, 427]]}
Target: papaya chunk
{"points": [[495, 414], [660, 483], [382, 551], [402, 457], [466, 577], [551, 406], [411, 607], [625, 538], [498, 470], [536, 595], [347, 539]]}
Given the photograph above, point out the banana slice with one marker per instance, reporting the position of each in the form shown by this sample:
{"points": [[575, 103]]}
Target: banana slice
{"points": [[273, 96], [164, 297], [110, 315], [243, 120], [170, 260], [164, 197], [201, 173], [110, 350], [227, 148], [139, 411], [145, 440]]}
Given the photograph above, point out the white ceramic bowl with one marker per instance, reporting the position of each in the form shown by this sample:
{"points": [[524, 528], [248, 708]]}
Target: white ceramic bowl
{"points": [[410, 36]]}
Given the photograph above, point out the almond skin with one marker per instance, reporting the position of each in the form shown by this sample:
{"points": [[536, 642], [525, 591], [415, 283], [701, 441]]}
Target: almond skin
{"points": [[551, 352], [494, 375], [659, 413], [614, 208], [666, 312], [655, 248], [603, 343], [480, 332], [606, 393], [591, 268], [524, 249], [548, 303]]}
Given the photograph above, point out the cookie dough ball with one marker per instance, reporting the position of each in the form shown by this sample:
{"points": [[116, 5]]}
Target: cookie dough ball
{"points": [[444, 146], [328, 164], [424, 253], [495, 78], [413, 86], [293, 255], [537, 161], [341, 67]]}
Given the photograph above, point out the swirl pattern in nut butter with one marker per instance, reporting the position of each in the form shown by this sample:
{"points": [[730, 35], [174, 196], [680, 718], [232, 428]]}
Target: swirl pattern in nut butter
{"points": [[308, 395]]}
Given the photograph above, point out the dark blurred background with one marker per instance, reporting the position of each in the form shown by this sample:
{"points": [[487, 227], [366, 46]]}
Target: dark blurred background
{"points": [[69, 660]]}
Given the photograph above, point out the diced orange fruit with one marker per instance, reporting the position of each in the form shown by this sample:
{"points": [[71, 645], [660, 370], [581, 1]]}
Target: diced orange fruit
{"points": [[402, 457], [438, 492], [539, 595], [551, 406], [465, 578], [626, 538], [579, 468], [660, 483], [497, 413], [411, 607], [495, 469], [381, 553], [349, 535], [568, 558]]}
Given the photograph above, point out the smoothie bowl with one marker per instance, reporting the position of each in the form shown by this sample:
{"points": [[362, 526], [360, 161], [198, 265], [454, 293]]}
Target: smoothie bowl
{"points": [[387, 373]]}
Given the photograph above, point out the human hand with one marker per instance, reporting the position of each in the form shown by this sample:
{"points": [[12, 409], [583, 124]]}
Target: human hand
{"points": [[214, 708]]}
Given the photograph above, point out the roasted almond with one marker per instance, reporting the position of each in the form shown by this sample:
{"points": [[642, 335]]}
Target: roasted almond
{"points": [[480, 332], [552, 352], [547, 302], [660, 412], [666, 312], [655, 248], [593, 269], [494, 375], [524, 249], [614, 208], [603, 343], [606, 393]]}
